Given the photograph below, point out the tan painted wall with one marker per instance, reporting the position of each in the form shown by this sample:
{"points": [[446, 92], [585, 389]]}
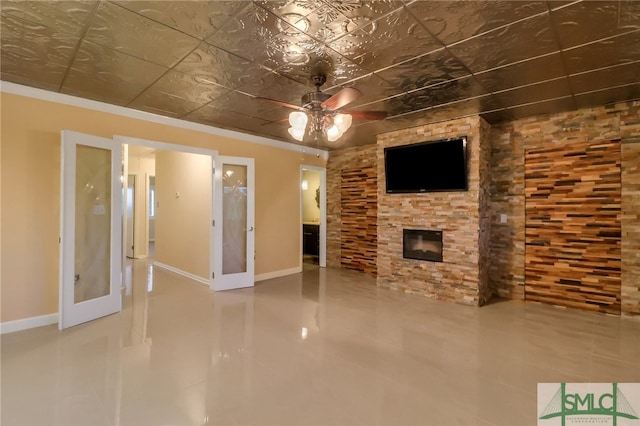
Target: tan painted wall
{"points": [[142, 167], [183, 197], [30, 193], [310, 210]]}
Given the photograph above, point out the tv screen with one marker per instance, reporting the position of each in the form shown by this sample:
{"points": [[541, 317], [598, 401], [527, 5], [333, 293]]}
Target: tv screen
{"points": [[427, 166]]}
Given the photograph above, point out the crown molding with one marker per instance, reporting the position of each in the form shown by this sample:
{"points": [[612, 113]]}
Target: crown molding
{"points": [[32, 92]]}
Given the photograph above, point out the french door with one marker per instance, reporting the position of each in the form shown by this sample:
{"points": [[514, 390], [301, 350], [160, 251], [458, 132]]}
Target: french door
{"points": [[235, 236], [90, 252]]}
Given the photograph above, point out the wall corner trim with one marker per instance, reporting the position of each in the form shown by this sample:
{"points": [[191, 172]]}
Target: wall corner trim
{"points": [[27, 323]]}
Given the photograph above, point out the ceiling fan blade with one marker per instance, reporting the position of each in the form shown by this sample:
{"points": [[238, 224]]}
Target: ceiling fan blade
{"points": [[367, 115], [282, 120], [284, 104], [343, 97]]}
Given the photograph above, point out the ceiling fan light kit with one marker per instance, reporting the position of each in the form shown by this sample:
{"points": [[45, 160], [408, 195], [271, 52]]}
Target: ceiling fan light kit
{"points": [[322, 111]]}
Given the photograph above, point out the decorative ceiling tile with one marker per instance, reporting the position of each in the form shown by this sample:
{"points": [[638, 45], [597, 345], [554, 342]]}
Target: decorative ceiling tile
{"points": [[218, 66], [249, 34], [608, 96], [11, 30], [199, 19], [451, 111], [409, 58], [286, 7], [163, 104], [248, 105], [96, 73], [516, 42], [536, 92], [391, 40], [452, 21], [605, 78], [30, 71], [38, 41], [616, 50], [629, 18], [444, 93], [14, 8], [338, 69], [427, 70], [272, 85], [210, 114], [542, 68], [127, 32], [372, 87], [178, 94], [581, 23], [550, 106], [373, 9], [69, 17]]}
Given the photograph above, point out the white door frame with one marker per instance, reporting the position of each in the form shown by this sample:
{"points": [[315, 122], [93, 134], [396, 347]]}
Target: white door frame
{"points": [[322, 261], [128, 222], [126, 140], [71, 313], [240, 279]]}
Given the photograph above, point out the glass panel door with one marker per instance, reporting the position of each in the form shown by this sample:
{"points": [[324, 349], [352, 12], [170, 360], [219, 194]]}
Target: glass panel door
{"points": [[234, 205], [234, 218], [91, 228], [93, 223]]}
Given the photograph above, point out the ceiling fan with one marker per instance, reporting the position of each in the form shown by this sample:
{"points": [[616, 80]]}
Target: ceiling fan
{"points": [[324, 112]]}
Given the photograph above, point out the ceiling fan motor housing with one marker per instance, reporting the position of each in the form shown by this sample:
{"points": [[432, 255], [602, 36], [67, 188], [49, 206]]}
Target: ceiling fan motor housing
{"points": [[314, 99]]}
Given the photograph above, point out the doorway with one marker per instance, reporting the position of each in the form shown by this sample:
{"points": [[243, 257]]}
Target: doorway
{"points": [[313, 215], [179, 195], [171, 185]]}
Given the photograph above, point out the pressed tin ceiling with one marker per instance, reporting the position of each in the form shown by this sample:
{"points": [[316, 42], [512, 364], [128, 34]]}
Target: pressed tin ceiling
{"points": [[421, 61]]}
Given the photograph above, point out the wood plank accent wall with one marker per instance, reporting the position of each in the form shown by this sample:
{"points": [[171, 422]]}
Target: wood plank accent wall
{"points": [[359, 209], [508, 143], [348, 161], [631, 226], [573, 224]]}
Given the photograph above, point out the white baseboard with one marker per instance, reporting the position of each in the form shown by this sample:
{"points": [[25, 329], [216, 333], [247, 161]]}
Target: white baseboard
{"points": [[278, 274], [189, 275], [27, 323]]}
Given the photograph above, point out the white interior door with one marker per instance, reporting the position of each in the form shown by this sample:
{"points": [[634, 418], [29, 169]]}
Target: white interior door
{"points": [[91, 226], [235, 232]]}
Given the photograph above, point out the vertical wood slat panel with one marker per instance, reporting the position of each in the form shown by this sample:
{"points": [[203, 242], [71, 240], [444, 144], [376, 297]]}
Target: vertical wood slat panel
{"points": [[359, 233], [573, 225]]}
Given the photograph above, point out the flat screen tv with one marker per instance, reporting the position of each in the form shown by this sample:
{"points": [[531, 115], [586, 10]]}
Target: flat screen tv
{"points": [[427, 166]]}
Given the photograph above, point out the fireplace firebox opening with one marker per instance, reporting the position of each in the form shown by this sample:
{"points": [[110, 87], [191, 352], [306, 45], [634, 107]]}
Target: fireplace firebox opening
{"points": [[422, 244]]}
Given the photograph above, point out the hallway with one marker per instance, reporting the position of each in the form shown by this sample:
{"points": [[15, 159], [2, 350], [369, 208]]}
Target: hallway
{"points": [[322, 347]]}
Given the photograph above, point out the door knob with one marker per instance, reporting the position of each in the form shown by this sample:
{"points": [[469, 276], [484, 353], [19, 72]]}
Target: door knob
{"points": [[251, 229]]}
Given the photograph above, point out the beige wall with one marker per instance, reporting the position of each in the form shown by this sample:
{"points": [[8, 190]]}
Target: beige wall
{"points": [[310, 210], [183, 213], [142, 166], [30, 193]]}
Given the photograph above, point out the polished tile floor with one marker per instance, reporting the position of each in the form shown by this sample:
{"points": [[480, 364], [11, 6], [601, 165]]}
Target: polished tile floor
{"points": [[324, 347]]}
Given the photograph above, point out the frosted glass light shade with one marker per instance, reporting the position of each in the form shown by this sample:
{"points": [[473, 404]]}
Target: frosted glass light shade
{"points": [[297, 134], [298, 120], [343, 121], [333, 133]]}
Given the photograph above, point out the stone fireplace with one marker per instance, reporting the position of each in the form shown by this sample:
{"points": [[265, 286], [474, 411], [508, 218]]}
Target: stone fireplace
{"points": [[421, 244], [457, 271]]}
